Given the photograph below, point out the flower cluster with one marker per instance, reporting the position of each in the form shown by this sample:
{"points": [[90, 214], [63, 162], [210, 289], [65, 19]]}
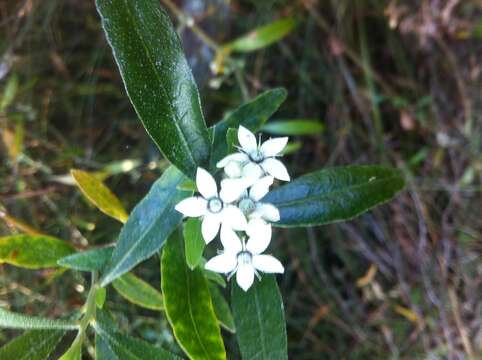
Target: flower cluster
{"points": [[236, 210]]}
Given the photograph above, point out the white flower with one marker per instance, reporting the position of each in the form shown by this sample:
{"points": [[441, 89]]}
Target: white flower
{"points": [[249, 202], [245, 259], [253, 160], [214, 208]]}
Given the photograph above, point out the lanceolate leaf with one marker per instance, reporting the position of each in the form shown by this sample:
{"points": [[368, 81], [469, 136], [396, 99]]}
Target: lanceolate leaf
{"points": [[158, 79], [32, 345], [221, 308], [193, 241], [334, 194], [112, 345], [251, 115], [188, 305], [263, 36], [99, 195], [260, 321], [33, 251], [293, 127], [18, 321], [149, 225], [138, 292], [89, 260]]}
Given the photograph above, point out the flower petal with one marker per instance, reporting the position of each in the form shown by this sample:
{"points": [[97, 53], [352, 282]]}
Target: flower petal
{"points": [[192, 206], [260, 188], [245, 276], [267, 264], [224, 263], [232, 189], [234, 217], [273, 147], [259, 233], [206, 184], [237, 157], [230, 240], [252, 172], [275, 168], [246, 139], [210, 226], [266, 211]]}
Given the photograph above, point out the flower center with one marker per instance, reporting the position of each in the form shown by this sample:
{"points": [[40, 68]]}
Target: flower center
{"points": [[244, 258], [256, 156], [247, 206], [215, 205]]}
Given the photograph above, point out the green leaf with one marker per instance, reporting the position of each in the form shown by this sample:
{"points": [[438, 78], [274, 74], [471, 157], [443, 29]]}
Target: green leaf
{"points": [[293, 127], [74, 352], [19, 321], [157, 78], [33, 251], [263, 36], [89, 260], [100, 296], [9, 92], [112, 345], [138, 292], [251, 115], [99, 195], [260, 321], [212, 276], [335, 194], [188, 304], [221, 309], [292, 147], [193, 241], [149, 225], [32, 345]]}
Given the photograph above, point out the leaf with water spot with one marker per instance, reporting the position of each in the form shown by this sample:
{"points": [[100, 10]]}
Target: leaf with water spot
{"points": [[335, 194], [158, 79]]}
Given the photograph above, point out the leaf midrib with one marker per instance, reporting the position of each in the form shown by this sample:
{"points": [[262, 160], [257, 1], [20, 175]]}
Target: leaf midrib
{"points": [[191, 315], [332, 193], [148, 55]]}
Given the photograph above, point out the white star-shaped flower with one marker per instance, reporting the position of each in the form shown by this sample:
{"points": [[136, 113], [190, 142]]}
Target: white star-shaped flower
{"points": [[245, 259], [249, 200], [215, 209], [253, 160]]}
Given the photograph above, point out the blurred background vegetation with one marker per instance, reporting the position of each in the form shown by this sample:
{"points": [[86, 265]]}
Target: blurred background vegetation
{"points": [[392, 82]]}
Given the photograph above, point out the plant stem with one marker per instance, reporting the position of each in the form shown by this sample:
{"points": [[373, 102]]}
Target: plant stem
{"points": [[189, 22]]}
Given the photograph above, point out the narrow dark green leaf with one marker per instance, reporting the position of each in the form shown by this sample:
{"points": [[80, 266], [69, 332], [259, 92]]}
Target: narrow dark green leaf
{"points": [[260, 321], [221, 308], [293, 127], [112, 345], [99, 195], [33, 251], [251, 115], [138, 292], [32, 345], [158, 79], [188, 304], [193, 241], [19, 321], [263, 36], [89, 260], [334, 194], [149, 225]]}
